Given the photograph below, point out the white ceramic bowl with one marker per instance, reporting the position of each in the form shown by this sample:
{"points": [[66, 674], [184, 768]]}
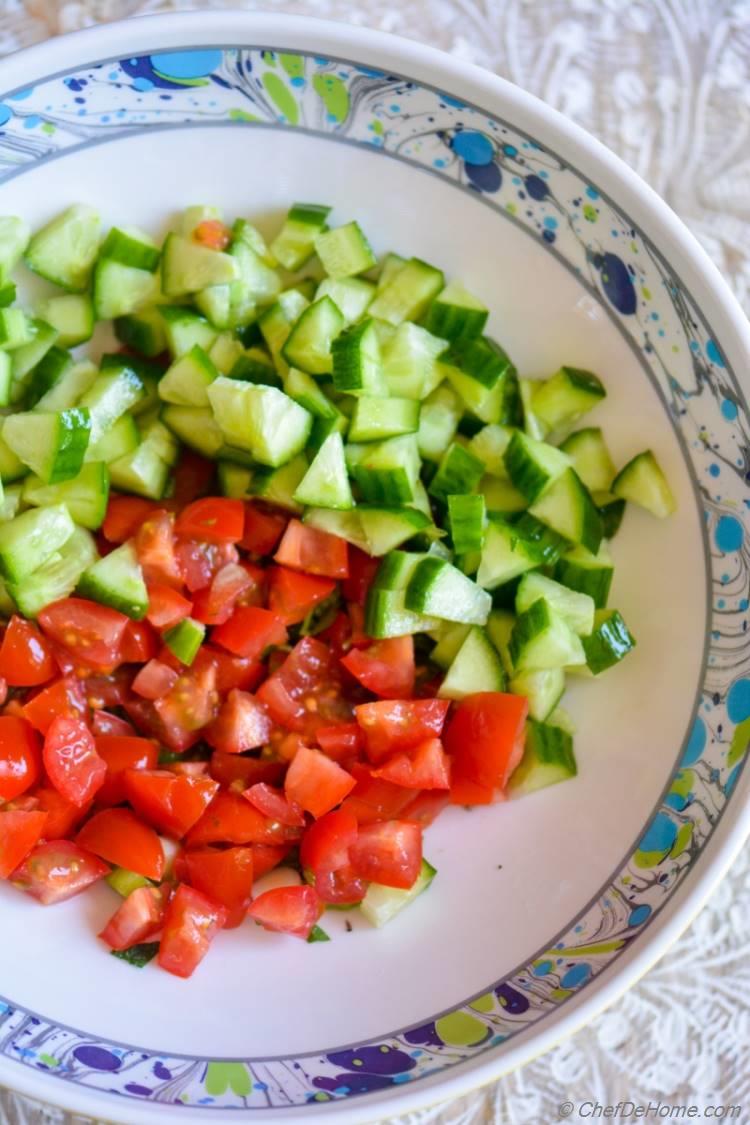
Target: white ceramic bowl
{"points": [[544, 909]]}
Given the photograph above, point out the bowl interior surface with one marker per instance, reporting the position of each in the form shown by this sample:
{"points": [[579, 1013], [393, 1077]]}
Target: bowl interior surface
{"points": [[510, 876], [534, 898]]}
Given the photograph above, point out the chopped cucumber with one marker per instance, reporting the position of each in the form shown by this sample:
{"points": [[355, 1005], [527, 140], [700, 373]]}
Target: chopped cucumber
{"points": [[387, 471], [14, 238], [344, 251], [57, 577], [588, 573], [382, 903], [467, 518], [566, 506], [278, 486], [351, 295], [459, 471], [187, 267], [355, 361], [64, 251], [410, 361], [590, 458], [184, 328], [52, 445], [187, 381], [30, 539], [475, 667], [120, 290], [533, 465], [326, 483], [575, 608], [386, 614], [455, 314], [543, 688], [85, 495], [609, 642], [438, 422], [117, 581], [506, 555], [144, 331], [119, 439], [409, 294], [377, 418], [547, 759], [566, 397], [439, 589], [541, 638], [184, 639], [72, 317], [642, 481], [295, 242], [262, 420]]}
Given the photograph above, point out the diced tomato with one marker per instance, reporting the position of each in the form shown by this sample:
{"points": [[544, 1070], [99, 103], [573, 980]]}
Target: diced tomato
{"points": [[226, 876], [188, 707], [229, 819], [341, 741], [239, 773], [139, 643], [20, 757], [426, 767], [125, 514], [426, 807], [268, 856], [337, 635], [362, 570], [172, 803], [104, 722], [213, 234], [188, 769], [315, 552], [292, 595], [389, 853], [118, 836], [64, 698], [154, 680], [19, 832], [71, 761], [250, 631], [243, 723], [166, 606], [213, 519], [466, 792], [386, 668], [316, 783], [121, 753], [374, 799], [232, 671], [287, 910], [358, 637], [324, 853], [26, 658], [274, 805], [400, 726], [62, 815], [155, 547], [108, 691], [200, 561], [57, 870], [193, 476], [138, 918], [263, 529], [191, 922], [485, 737], [89, 631], [215, 604], [305, 692]]}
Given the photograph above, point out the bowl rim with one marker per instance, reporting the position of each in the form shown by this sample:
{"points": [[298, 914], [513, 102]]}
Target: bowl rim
{"points": [[658, 222]]}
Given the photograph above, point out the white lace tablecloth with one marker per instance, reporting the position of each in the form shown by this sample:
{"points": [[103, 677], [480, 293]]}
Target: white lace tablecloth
{"points": [[666, 84]]}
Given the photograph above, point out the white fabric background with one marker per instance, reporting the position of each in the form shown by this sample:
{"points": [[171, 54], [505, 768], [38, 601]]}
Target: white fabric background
{"points": [[666, 84]]}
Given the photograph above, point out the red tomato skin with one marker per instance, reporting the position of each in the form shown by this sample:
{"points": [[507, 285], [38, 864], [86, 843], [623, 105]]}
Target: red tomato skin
{"points": [[426, 807], [104, 722], [215, 604], [190, 924], [316, 783], [314, 552], [263, 529], [172, 803], [304, 693], [89, 631], [125, 514], [229, 819], [324, 854], [362, 570], [485, 737], [26, 659], [287, 910], [341, 741], [466, 792], [400, 725], [268, 856], [62, 816], [232, 671], [137, 919], [166, 606], [389, 853], [199, 561], [239, 773], [155, 547], [20, 757], [63, 698], [374, 799], [139, 643], [213, 519], [386, 668], [58, 870], [292, 595], [426, 767], [118, 836], [243, 723], [154, 680], [119, 754], [71, 761], [250, 631], [225, 876], [19, 833], [273, 804]]}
